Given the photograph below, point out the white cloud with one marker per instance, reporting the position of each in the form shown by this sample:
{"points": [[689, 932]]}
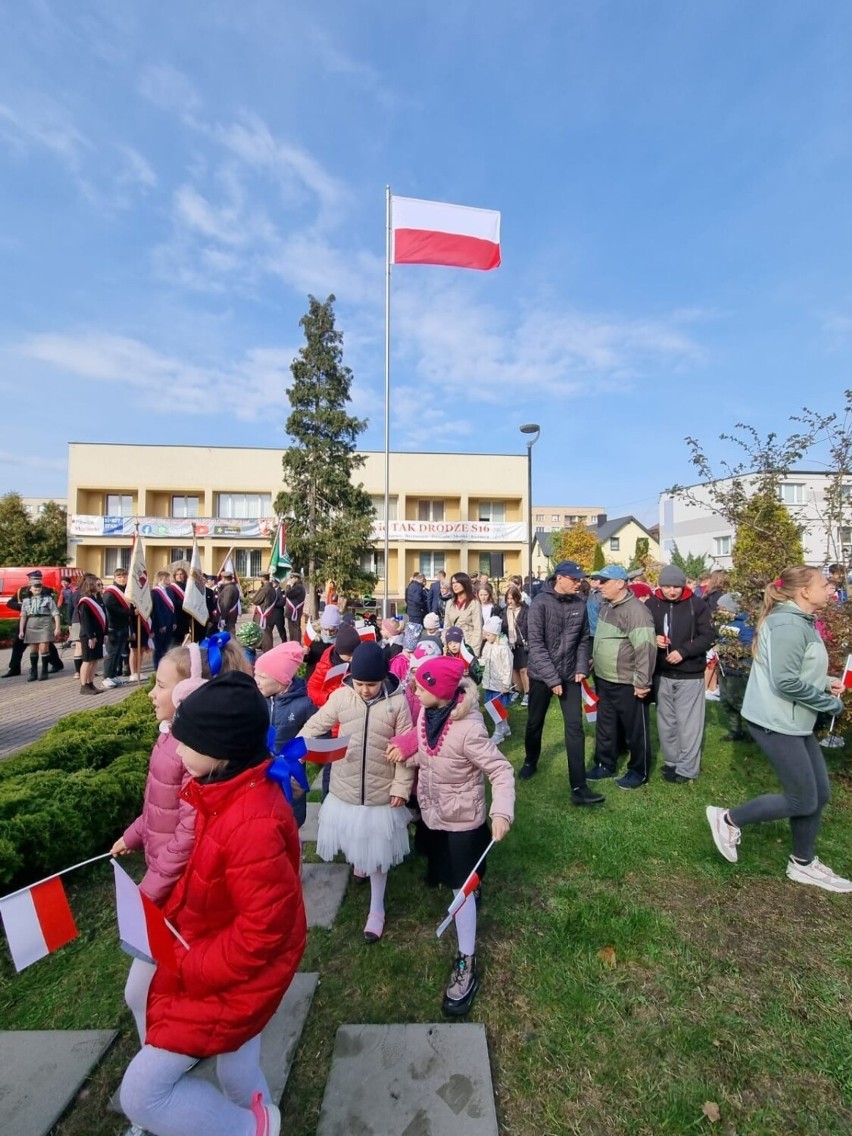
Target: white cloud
{"points": [[170, 89], [247, 387]]}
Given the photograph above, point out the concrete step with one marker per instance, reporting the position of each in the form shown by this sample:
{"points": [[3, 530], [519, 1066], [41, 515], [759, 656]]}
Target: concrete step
{"points": [[415, 1080], [309, 830], [323, 886]]}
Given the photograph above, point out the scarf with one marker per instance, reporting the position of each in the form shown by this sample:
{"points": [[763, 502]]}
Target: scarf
{"points": [[436, 718]]}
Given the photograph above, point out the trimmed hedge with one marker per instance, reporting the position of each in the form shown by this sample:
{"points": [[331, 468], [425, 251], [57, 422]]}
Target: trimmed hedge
{"points": [[70, 795]]}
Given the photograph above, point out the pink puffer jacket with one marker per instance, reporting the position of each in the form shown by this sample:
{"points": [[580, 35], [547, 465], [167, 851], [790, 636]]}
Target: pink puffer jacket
{"points": [[451, 778], [166, 828]]}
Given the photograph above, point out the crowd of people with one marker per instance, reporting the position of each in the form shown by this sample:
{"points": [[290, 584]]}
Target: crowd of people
{"points": [[405, 697]]}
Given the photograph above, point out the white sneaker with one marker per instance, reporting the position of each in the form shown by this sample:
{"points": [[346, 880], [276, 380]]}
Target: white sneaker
{"points": [[134, 678], [108, 683], [711, 695], [818, 874], [726, 836]]}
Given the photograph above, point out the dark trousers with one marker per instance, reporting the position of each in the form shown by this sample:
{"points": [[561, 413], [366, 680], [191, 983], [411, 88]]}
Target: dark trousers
{"points": [[572, 717], [620, 710], [19, 648], [118, 645]]}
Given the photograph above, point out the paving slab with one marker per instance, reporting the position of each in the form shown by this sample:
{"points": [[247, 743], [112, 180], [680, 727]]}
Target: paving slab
{"points": [[41, 1071], [316, 784], [277, 1045], [310, 829], [409, 1080], [323, 886]]}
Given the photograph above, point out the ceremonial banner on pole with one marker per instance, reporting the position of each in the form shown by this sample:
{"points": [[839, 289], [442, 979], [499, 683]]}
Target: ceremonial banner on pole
{"points": [[280, 564], [138, 590], [195, 596]]}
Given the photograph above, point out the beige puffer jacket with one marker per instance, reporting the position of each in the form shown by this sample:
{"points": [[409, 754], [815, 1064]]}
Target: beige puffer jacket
{"points": [[451, 784], [364, 776]]}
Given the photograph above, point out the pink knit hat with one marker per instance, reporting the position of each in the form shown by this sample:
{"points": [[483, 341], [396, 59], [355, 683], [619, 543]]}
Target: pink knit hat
{"points": [[440, 677], [282, 662]]}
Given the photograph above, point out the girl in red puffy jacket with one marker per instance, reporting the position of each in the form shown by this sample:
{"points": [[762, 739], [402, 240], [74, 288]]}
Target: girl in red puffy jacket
{"points": [[165, 829], [239, 909]]}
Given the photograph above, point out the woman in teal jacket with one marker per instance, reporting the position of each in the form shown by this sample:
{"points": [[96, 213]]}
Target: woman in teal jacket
{"points": [[788, 686]]}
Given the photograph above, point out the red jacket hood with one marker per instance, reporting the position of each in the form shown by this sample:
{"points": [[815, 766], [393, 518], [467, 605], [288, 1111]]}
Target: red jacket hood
{"points": [[686, 594]]}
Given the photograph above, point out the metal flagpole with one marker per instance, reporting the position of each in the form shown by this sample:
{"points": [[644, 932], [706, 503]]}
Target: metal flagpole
{"points": [[386, 601]]}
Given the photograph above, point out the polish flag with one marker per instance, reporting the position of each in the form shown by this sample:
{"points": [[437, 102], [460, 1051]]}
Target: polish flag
{"points": [[309, 635], [468, 887], [142, 925], [320, 751], [590, 702], [431, 232], [847, 673], [37, 921], [335, 672], [366, 632], [497, 710], [467, 654]]}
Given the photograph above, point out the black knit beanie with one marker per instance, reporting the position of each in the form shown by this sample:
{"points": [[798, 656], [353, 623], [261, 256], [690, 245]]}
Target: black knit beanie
{"points": [[347, 639], [368, 663], [227, 719]]}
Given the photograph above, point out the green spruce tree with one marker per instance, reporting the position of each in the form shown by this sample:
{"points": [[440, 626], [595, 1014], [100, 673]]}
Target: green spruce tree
{"points": [[767, 540], [329, 515]]}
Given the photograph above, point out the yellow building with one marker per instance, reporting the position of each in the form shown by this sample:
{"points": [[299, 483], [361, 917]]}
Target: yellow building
{"points": [[456, 512]]}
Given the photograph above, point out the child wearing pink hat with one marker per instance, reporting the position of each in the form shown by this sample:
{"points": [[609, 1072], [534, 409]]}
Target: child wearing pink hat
{"points": [[454, 755], [289, 705]]}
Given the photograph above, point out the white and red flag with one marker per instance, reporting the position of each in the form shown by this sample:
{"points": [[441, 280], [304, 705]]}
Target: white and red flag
{"points": [[468, 888], [366, 632], [310, 634], [142, 927], [320, 751], [590, 701], [37, 920], [432, 232], [332, 673], [497, 710], [138, 586], [467, 654], [847, 673]]}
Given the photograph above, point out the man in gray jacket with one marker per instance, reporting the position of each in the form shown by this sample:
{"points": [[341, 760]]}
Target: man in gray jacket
{"points": [[559, 648]]}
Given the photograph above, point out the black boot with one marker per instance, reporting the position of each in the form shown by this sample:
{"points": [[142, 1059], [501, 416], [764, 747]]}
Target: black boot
{"points": [[78, 664], [45, 667], [462, 987], [33, 675], [56, 664]]}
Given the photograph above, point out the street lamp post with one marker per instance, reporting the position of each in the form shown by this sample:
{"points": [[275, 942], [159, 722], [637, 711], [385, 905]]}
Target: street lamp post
{"points": [[530, 428]]}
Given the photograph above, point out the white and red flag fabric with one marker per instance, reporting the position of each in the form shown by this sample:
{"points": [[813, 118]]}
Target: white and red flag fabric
{"points": [[320, 751], [467, 889], [467, 654], [310, 634], [433, 232], [195, 595], [590, 701], [847, 672], [332, 673], [37, 920], [497, 711], [366, 632], [138, 586], [142, 927]]}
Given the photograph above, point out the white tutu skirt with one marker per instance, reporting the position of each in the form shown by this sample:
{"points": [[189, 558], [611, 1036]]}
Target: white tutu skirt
{"points": [[372, 837]]}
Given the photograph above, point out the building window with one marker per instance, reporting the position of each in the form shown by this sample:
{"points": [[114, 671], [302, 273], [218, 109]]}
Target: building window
{"points": [[491, 564], [243, 506], [119, 505], [184, 506], [539, 517], [792, 493], [554, 518], [379, 506], [430, 510], [372, 562], [180, 554], [248, 561], [431, 563], [115, 558], [721, 546], [494, 511], [615, 544]]}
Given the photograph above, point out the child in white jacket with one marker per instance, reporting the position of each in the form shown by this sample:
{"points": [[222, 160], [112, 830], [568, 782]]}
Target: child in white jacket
{"points": [[497, 666]]}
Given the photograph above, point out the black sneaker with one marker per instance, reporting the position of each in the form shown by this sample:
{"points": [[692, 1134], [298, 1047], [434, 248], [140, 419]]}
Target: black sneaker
{"points": [[668, 772], [527, 771], [599, 772], [631, 781], [587, 796], [462, 987], [734, 736]]}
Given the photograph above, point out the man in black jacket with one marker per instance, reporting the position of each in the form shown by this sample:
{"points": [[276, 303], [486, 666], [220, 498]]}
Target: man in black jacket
{"points": [[559, 649], [684, 636]]}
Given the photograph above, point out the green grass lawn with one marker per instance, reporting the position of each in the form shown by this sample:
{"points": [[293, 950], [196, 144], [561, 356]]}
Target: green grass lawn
{"points": [[629, 974]]}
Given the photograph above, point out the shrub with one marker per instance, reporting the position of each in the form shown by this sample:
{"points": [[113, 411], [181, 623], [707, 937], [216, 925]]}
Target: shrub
{"points": [[70, 795]]}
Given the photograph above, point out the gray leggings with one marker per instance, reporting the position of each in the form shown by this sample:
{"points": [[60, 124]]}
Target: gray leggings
{"points": [[157, 1094], [800, 767]]}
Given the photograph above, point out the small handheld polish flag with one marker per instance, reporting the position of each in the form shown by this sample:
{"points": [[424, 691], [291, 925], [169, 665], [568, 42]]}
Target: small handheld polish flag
{"points": [[497, 711], [847, 673], [37, 920], [590, 702], [468, 887], [366, 632], [320, 751], [310, 634], [335, 672], [144, 931]]}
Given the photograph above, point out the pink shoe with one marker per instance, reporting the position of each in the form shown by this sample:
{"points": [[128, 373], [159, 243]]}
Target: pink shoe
{"points": [[267, 1116], [374, 927]]}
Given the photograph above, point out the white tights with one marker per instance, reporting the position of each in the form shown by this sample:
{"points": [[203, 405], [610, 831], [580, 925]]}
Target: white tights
{"points": [[466, 925], [378, 883]]}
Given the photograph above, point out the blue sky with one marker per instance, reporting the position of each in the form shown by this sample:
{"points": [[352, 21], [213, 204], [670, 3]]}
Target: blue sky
{"points": [[674, 181]]}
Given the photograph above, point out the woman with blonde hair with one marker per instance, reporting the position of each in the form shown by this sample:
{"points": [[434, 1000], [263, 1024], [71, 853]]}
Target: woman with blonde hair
{"points": [[787, 687]]}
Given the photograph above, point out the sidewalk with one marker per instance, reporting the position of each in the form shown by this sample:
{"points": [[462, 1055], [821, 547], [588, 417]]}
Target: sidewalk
{"points": [[28, 709]]}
